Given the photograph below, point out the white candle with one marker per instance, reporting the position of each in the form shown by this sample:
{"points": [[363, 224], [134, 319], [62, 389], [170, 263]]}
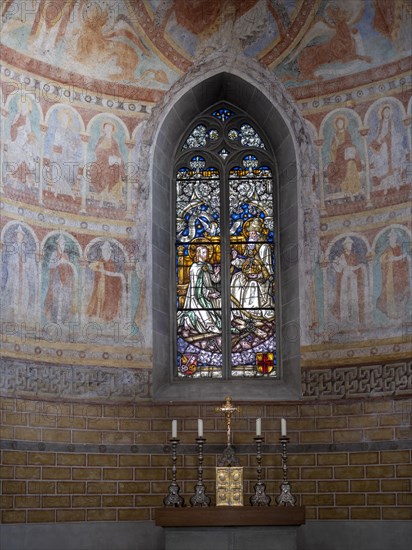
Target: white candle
{"points": [[283, 431], [174, 429], [258, 427], [199, 427]]}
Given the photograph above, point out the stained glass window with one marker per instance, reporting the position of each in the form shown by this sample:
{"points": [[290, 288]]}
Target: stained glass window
{"points": [[225, 250]]}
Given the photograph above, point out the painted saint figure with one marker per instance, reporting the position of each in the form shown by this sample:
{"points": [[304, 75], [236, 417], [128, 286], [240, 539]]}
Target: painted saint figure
{"points": [[21, 149], [108, 287], [64, 155], [106, 177], [350, 296], [251, 283], [387, 152], [343, 172], [61, 302], [19, 281], [395, 265], [201, 309]]}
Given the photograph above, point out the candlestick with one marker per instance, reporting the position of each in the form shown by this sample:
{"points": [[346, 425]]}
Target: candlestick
{"points": [[200, 497], [285, 498], [259, 498], [174, 429], [199, 427], [258, 427], [283, 431], [173, 498]]}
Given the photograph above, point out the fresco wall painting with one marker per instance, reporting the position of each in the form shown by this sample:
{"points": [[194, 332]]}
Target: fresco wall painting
{"points": [[76, 219]]}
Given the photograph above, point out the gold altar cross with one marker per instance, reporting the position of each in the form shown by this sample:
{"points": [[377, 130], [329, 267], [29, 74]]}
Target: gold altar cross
{"points": [[228, 409]]}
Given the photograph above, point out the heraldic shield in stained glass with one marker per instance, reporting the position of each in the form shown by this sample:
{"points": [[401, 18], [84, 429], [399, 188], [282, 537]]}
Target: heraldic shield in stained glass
{"points": [[225, 251]]}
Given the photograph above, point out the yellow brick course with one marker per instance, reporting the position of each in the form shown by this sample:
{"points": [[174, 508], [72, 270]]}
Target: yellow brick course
{"points": [[66, 481]]}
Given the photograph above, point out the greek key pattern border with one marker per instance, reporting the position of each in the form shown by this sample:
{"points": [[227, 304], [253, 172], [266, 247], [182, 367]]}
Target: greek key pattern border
{"points": [[41, 380], [21, 379], [394, 379]]}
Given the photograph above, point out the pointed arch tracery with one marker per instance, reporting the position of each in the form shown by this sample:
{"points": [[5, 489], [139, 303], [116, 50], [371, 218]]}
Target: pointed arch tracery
{"points": [[225, 249]]}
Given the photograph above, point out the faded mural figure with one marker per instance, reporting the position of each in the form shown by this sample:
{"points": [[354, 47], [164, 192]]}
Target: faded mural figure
{"points": [[387, 152], [20, 275], [343, 171], [61, 302], [351, 286], [101, 41], [393, 20], [201, 309], [107, 175], [395, 267], [343, 46], [23, 145], [63, 154], [105, 303], [48, 31], [251, 284]]}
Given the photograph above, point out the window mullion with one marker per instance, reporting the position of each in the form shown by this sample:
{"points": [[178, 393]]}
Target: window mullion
{"points": [[225, 254]]}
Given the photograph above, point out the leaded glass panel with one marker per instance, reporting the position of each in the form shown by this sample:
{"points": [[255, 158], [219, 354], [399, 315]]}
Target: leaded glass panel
{"points": [[200, 136], [223, 113], [225, 252], [246, 136]]}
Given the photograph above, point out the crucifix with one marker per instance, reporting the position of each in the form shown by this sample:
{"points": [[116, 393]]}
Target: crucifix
{"points": [[228, 409], [229, 473]]}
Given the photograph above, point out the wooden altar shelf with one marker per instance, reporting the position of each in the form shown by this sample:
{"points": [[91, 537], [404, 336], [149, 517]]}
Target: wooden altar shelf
{"points": [[225, 516]]}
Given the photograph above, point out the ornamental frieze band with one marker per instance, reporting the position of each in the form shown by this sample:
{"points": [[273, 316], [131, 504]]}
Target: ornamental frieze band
{"points": [[358, 381]]}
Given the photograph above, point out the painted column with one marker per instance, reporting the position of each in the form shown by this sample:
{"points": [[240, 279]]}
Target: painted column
{"points": [[324, 264], [319, 143], [85, 183], [130, 146], [408, 172], [3, 115], [43, 130], [364, 133]]}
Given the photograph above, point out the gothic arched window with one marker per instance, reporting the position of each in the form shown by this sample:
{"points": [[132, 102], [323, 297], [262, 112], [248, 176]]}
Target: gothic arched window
{"points": [[226, 233]]}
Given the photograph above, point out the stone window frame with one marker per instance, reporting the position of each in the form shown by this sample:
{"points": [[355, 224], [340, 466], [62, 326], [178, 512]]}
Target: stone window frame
{"points": [[256, 92]]}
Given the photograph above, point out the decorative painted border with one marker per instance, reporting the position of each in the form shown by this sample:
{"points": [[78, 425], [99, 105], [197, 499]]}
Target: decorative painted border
{"points": [[38, 216], [21, 379], [75, 89], [39, 380], [369, 79], [57, 85], [321, 100], [390, 380], [369, 350]]}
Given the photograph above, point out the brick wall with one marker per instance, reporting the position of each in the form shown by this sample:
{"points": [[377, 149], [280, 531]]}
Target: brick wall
{"points": [[88, 462]]}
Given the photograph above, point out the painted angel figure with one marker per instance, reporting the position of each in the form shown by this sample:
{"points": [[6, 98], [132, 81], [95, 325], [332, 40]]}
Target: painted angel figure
{"points": [[340, 42], [201, 309]]}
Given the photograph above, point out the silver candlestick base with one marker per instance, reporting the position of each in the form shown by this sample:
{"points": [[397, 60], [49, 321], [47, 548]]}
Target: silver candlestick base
{"points": [[173, 498], [260, 498], [285, 498], [200, 497]]}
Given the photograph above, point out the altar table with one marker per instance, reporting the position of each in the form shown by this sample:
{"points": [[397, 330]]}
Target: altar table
{"points": [[231, 527]]}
